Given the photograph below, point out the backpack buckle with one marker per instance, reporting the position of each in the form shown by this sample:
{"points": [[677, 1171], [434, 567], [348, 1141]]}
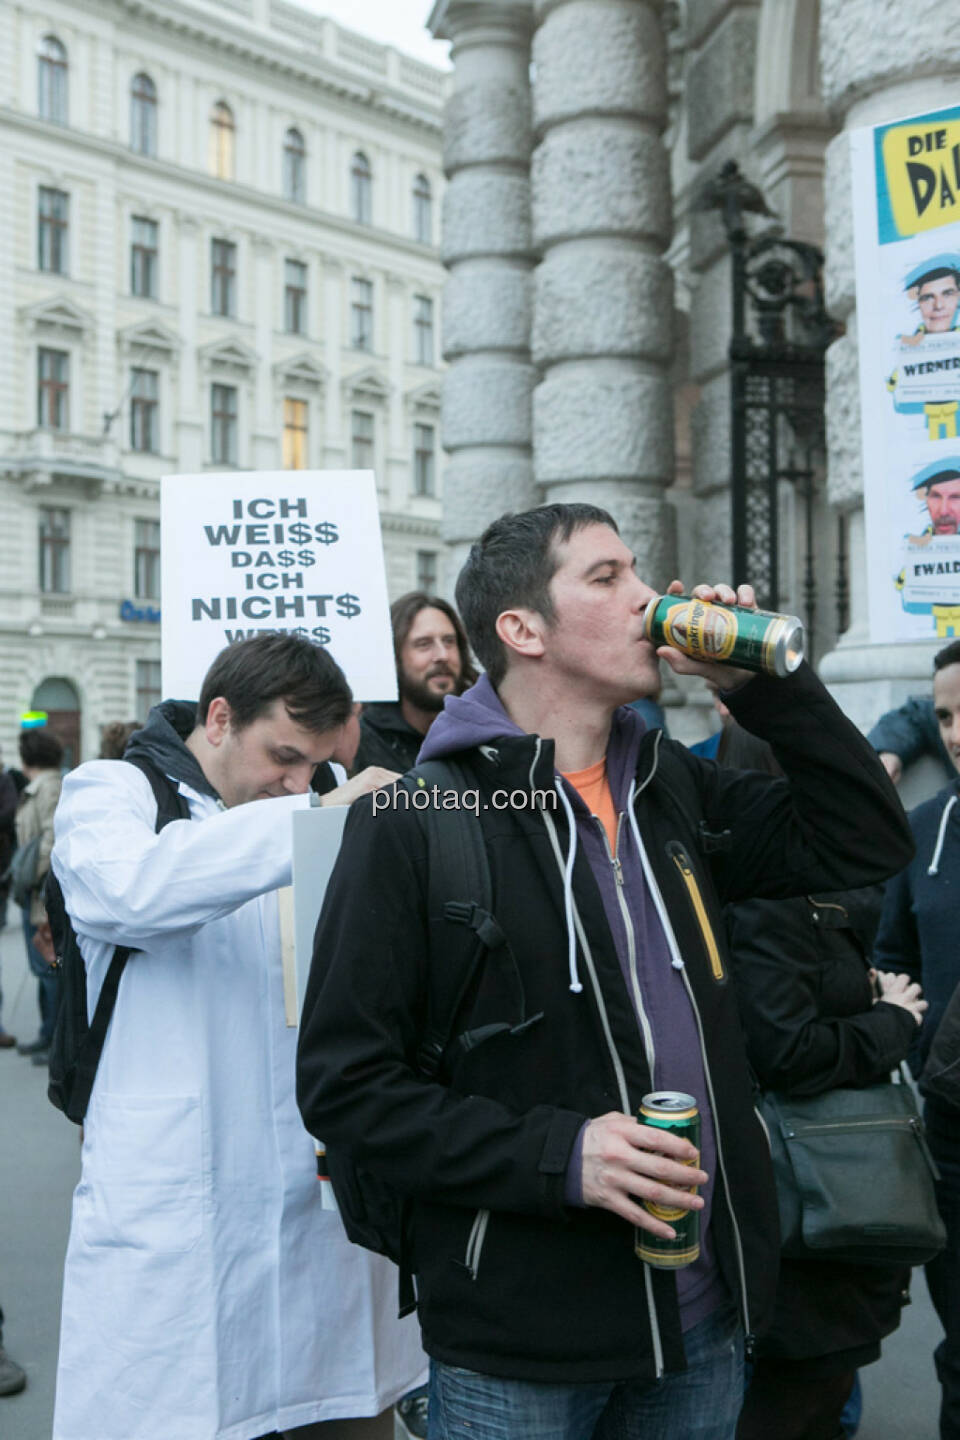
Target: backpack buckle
{"points": [[429, 1057], [480, 921]]}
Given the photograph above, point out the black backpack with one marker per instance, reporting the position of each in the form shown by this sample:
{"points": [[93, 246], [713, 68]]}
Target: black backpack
{"points": [[76, 1046], [463, 929]]}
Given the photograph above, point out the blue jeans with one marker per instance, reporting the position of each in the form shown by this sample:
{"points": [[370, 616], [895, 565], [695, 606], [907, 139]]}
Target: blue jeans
{"points": [[48, 980], [699, 1403]]}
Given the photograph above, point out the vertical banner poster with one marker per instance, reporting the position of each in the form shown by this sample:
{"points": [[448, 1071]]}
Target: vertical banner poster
{"points": [[906, 187], [288, 550]]}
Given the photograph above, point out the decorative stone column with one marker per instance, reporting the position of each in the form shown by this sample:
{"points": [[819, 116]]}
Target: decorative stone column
{"points": [[266, 450], [334, 449], [396, 478], [487, 249], [189, 430], [880, 61], [603, 299]]}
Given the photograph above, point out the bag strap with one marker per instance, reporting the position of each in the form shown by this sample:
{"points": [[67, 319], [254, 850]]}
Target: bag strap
{"points": [[91, 1048], [459, 893], [171, 805]]}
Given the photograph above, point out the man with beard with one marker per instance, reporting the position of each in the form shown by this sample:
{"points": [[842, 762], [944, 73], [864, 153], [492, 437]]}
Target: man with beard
{"points": [[943, 501], [433, 660], [937, 486]]}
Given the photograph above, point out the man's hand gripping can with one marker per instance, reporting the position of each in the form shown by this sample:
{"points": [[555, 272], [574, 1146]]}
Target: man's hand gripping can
{"points": [[729, 634], [671, 1110]]}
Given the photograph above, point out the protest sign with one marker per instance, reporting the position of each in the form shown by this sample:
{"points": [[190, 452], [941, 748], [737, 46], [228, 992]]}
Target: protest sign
{"points": [[287, 550], [906, 178]]}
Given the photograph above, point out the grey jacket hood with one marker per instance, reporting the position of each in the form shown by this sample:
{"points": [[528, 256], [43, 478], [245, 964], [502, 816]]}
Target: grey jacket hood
{"points": [[161, 741]]}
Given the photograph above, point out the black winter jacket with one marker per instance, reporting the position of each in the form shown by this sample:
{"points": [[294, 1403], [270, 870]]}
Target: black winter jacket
{"points": [[386, 739], [918, 927], [510, 1280], [800, 971]]}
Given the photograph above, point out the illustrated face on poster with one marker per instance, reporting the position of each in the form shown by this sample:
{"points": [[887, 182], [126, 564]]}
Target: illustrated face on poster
{"points": [[924, 379], [931, 554], [291, 550], [907, 218]]}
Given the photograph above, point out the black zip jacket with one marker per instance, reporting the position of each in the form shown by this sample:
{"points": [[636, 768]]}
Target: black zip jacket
{"points": [[801, 973], [386, 738], [511, 1281], [800, 970]]}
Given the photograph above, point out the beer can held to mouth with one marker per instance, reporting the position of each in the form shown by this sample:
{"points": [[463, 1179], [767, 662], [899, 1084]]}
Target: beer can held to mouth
{"points": [[727, 634]]}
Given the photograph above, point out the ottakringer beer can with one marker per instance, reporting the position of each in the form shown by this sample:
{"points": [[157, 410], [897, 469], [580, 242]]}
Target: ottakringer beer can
{"points": [[730, 634], [671, 1110]]}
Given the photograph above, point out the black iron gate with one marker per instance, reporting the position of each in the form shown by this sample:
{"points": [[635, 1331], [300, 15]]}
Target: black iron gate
{"points": [[780, 333]]}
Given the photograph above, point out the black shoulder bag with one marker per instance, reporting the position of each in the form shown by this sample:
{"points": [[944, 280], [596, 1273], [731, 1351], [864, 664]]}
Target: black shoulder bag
{"points": [[854, 1176]]}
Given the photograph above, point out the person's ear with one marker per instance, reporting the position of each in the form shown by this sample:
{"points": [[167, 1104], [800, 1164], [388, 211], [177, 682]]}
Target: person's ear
{"points": [[522, 631], [217, 724]]}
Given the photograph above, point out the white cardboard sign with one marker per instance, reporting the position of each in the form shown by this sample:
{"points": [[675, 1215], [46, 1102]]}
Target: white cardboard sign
{"points": [[316, 844], [290, 550]]}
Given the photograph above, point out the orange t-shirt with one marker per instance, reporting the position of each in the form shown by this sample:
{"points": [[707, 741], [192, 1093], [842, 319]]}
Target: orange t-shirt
{"points": [[593, 787]]}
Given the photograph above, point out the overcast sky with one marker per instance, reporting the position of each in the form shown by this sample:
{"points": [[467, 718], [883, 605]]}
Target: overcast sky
{"points": [[402, 23]]}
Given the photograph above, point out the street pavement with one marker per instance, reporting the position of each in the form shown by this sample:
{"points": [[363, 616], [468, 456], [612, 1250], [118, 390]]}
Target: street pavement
{"points": [[39, 1166]]}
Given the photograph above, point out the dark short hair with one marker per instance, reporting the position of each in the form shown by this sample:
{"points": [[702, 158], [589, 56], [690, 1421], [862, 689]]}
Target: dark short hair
{"points": [[252, 674], [405, 610], [939, 274], [949, 655], [512, 565], [40, 749]]}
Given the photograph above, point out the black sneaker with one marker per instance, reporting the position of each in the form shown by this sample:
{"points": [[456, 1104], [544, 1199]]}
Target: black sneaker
{"points": [[12, 1378], [411, 1412]]}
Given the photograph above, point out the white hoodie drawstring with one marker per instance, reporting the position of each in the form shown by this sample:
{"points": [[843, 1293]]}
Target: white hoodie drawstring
{"points": [[575, 984], [933, 867]]}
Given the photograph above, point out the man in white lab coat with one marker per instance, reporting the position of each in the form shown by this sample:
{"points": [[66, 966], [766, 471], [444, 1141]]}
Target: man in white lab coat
{"points": [[208, 1293]]}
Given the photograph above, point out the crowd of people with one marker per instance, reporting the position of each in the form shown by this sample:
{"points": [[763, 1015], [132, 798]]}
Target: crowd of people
{"points": [[761, 916]]}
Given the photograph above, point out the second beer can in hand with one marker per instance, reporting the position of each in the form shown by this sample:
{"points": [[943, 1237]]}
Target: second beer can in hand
{"points": [[729, 634], [671, 1110]]}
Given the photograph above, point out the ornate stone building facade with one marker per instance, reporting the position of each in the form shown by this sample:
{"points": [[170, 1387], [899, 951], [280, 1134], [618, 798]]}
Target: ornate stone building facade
{"points": [[589, 306], [223, 252]]}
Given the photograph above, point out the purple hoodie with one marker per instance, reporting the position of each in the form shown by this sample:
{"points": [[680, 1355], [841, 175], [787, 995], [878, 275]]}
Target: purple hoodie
{"points": [[478, 718]]}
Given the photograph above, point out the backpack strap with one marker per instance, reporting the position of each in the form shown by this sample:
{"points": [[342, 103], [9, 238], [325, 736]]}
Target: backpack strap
{"points": [[88, 1056], [459, 893], [171, 805]]}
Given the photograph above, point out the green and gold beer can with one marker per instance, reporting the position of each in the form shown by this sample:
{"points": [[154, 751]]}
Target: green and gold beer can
{"points": [[671, 1110], [728, 634]]}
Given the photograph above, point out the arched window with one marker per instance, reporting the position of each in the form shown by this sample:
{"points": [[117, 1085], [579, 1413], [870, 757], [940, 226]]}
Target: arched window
{"points": [[223, 135], [143, 115], [52, 80], [361, 189], [422, 210], [294, 167]]}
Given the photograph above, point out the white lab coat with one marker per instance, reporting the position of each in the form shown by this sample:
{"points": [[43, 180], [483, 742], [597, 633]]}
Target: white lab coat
{"points": [[208, 1295]]}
